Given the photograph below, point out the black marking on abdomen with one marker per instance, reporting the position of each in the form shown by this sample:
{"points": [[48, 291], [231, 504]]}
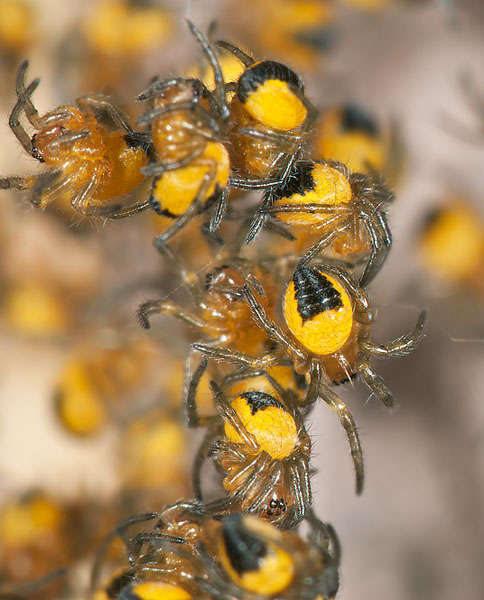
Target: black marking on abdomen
{"points": [[314, 293], [354, 118], [156, 204], [260, 401], [244, 549], [260, 72], [300, 181]]}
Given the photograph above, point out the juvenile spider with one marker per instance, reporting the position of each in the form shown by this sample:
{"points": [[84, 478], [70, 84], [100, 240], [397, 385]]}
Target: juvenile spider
{"points": [[220, 314], [192, 165], [344, 209], [259, 443], [269, 123], [349, 134], [190, 555], [328, 321], [271, 563], [95, 167]]}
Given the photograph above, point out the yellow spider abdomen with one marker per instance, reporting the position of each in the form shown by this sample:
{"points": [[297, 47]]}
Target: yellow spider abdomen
{"points": [[26, 521], [230, 65], [16, 20], [175, 190], [318, 311], [127, 162], [453, 242], [153, 450], [356, 150], [312, 183], [158, 590], [267, 91], [78, 402], [350, 135], [116, 28], [264, 416], [251, 559]]}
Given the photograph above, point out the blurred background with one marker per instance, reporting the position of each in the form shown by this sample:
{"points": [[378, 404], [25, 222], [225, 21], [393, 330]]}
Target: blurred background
{"points": [[69, 291]]}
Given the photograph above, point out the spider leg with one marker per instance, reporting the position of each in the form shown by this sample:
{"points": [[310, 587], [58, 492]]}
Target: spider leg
{"points": [[67, 138], [358, 295], [254, 484], [233, 356], [193, 419], [263, 320], [191, 106], [17, 182], [30, 111], [158, 85], [14, 119], [83, 195], [160, 167], [302, 487], [118, 531], [271, 136], [326, 240], [244, 58], [346, 419], [153, 307], [401, 346], [229, 415], [54, 191], [313, 389], [260, 217], [250, 374], [219, 92], [218, 213], [200, 458], [267, 182], [196, 204], [311, 207], [114, 211], [279, 229], [238, 479], [229, 504], [102, 103], [374, 382], [381, 241]]}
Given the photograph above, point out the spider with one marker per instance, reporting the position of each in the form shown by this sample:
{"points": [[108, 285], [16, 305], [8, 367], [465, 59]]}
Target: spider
{"points": [[328, 322], [349, 134], [259, 443], [451, 244], [190, 555], [221, 313], [265, 561], [270, 120], [97, 169], [300, 32], [344, 209], [192, 164]]}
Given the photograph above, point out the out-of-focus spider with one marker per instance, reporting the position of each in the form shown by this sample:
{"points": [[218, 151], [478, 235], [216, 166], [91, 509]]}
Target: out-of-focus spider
{"points": [[259, 443], [328, 321], [192, 165], [265, 561], [95, 166], [190, 555], [349, 134], [346, 210]]}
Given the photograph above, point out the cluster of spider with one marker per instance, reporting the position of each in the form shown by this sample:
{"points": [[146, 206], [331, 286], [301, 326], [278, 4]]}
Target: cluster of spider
{"points": [[203, 152]]}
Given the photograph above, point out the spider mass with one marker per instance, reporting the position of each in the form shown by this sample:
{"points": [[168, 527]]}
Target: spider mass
{"points": [[274, 324]]}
